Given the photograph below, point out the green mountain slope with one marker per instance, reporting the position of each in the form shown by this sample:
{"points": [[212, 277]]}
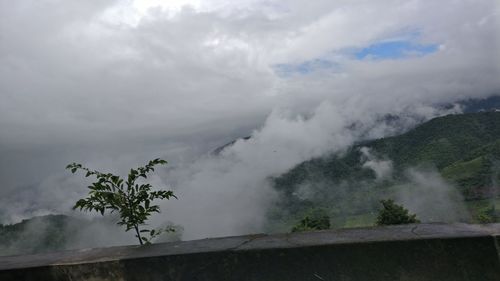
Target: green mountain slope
{"points": [[61, 232], [39, 234], [463, 149], [442, 141]]}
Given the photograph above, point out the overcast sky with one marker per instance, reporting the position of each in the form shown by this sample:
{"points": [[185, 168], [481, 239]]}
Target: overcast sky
{"points": [[112, 84]]}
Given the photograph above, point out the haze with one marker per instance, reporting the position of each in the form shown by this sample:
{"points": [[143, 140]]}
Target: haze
{"points": [[112, 84]]}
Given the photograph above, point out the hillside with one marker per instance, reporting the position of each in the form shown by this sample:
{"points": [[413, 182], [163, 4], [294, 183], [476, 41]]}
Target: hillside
{"points": [[457, 164], [491, 103], [62, 232], [463, 149], [38, 234]]}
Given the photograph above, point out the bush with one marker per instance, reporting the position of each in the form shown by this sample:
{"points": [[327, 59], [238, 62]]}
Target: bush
{"points": [[486, 214], [316, 219], [392, 213]]}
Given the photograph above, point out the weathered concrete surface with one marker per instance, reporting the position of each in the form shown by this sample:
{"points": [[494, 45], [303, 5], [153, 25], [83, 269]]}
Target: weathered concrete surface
{"points": [[433, 252]]}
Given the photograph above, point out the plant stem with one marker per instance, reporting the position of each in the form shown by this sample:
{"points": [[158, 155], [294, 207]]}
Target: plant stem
{"points": [[138, 234]]}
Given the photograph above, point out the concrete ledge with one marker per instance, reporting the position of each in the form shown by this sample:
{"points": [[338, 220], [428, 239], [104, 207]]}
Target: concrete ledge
{"points": [[436, 252]]}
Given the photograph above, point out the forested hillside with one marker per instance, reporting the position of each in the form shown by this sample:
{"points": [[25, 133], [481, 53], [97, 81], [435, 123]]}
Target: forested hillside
{"points": [[463, 149], [39, 234], [446, 169]]}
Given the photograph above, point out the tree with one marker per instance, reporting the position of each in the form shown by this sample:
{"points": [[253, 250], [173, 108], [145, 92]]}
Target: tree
{"points": [[316, 219], [132, 201], [392, 213]]}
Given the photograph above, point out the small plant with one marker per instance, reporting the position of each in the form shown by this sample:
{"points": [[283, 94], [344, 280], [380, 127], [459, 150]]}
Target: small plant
{"points": [[131, 200], [316, 219], [392, 213], [486, 214]]}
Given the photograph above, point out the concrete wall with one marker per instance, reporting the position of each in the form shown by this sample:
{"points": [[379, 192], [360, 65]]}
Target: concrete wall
{"points": [[434, 252]]}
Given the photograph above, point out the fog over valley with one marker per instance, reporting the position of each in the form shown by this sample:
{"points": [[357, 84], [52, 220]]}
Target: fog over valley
{"points": [[113, 84]]}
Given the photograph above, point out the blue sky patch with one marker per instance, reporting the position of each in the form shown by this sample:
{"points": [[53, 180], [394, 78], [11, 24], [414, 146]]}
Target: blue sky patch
{"points": [[402, 46], [305, 67], [395, 50]]}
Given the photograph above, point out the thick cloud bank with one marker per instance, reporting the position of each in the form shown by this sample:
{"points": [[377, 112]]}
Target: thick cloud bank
{"points": [[115, 83]]}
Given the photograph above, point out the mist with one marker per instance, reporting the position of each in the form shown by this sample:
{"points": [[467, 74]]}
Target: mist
{"points": [[354, 199], [431, 198], [113, 85]]}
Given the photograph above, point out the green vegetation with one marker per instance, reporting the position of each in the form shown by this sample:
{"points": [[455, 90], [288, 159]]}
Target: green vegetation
{"points": [[132, 201], [362, 220], [464, 149], [392, 213], [487, 215], [61, 232], [316, 219], [334, 191], [39, 234], [485, 211]]}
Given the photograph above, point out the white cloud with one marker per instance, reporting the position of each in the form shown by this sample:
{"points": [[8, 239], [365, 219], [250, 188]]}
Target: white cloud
{"points": [[114, 83], [381, 168], [432, 198]]}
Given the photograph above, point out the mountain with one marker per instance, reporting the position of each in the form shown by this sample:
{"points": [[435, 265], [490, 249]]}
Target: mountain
{"points": [[39, 234], [219, 149], [459, 152], [61, 232], [481, 105], [463, 149], [489, 104]]}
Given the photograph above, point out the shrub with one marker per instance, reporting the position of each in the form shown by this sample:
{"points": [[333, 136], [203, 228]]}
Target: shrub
{"points": [[486, 214], [392, 213], [316, 219]]}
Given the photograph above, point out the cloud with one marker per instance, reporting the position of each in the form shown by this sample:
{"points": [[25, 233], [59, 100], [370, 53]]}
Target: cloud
{"points": [[113, 85], [381, 168], [431, 198]]}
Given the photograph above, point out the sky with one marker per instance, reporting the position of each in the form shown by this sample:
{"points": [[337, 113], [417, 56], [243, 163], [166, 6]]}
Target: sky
{"points": [[112, 84]]}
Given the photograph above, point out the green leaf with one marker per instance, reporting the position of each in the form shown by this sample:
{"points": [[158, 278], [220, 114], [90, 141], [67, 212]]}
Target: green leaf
{"points": [[131, 201]]}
